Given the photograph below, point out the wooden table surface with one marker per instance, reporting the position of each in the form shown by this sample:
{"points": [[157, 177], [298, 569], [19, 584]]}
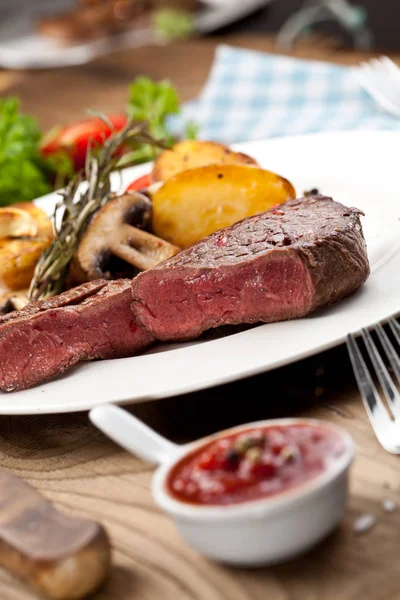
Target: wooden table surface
{"points": [[74, 465]]}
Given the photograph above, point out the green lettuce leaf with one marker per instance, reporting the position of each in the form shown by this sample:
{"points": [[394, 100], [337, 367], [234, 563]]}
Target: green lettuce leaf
{"points": [[22, 176]]}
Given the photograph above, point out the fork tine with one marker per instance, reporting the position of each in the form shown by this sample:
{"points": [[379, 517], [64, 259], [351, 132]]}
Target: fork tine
{"points": [[380, 77], [365, 65], [390, 67], [372, 87], [390, 351], [386, 382], [389, 74], [375, 63], [395, 327], [382, 66], [376, 411]]}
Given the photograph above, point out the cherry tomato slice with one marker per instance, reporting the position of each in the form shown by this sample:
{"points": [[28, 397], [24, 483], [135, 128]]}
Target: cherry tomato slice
{"points": [[139, 184]]}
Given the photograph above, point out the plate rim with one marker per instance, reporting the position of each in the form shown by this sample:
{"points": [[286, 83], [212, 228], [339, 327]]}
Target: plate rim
{"points": [[222, 378]]}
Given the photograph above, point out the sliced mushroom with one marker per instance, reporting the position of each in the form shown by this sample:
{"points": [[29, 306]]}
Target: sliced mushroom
{"points": [[15, 222], [115, 240], [11, 301]]}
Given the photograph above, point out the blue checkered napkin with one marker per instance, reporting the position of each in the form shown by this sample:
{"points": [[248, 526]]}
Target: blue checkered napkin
{"points": [[252, 95]]}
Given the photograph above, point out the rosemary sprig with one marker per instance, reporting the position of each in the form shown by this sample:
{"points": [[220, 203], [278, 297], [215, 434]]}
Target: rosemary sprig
{"points": [[85, 194]]}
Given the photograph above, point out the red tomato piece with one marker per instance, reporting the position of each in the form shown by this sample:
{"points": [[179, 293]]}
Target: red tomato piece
{"points": [[139, 184], [76, 138]]}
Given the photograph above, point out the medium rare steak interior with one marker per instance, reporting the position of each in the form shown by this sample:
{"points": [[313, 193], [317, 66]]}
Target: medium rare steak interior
{"points": [[44, 339], [281, 264]]}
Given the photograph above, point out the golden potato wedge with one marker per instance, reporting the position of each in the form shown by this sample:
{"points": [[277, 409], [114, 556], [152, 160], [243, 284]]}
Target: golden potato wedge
{"points": [[191, 154], [197, 202], [19, 256]]}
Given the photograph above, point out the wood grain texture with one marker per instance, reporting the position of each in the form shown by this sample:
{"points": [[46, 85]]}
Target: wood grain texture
{"points": [[86, 475]]}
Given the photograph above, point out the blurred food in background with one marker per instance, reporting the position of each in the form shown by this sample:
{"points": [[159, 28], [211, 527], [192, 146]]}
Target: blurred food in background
{"points": [[43, 34], [90, 19]]}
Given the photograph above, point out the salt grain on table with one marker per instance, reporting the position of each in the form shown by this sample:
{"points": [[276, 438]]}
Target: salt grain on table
{"points": [[364, 523], [389, 505]]}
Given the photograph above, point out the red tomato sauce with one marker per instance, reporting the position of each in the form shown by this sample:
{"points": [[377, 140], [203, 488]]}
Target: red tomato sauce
{"points": [[254, 464]]}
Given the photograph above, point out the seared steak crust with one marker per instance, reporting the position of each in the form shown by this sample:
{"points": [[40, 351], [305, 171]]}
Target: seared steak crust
{"points": [[44, 339], [281, 264]]}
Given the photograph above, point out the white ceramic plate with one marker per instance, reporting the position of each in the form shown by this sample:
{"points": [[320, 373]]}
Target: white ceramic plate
{"points": [[22, 48], [358, 169]]}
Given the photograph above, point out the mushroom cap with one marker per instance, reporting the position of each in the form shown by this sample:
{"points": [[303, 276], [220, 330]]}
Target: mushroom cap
{"points": [[10, 301], [16, 222], [115, 243]]}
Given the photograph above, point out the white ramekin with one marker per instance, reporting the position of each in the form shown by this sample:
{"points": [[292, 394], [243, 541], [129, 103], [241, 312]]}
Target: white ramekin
{"points": [[252, 533]]}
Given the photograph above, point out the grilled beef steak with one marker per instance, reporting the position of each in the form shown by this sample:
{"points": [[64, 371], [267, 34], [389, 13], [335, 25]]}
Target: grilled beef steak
{"points": [[277, 265], [44, 339], [281, 264]]}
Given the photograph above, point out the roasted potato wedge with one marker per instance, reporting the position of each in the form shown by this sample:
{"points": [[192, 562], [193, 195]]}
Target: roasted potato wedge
{"points": [[191, 154], [197, 202], [19, 255]]}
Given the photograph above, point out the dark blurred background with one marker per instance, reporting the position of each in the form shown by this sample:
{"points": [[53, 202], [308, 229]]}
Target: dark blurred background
{"points": [[383, 19], [383, 16]]}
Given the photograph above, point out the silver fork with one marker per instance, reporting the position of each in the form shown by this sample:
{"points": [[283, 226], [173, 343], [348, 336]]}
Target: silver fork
{"points": [[380, 77], [385, 425]]}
